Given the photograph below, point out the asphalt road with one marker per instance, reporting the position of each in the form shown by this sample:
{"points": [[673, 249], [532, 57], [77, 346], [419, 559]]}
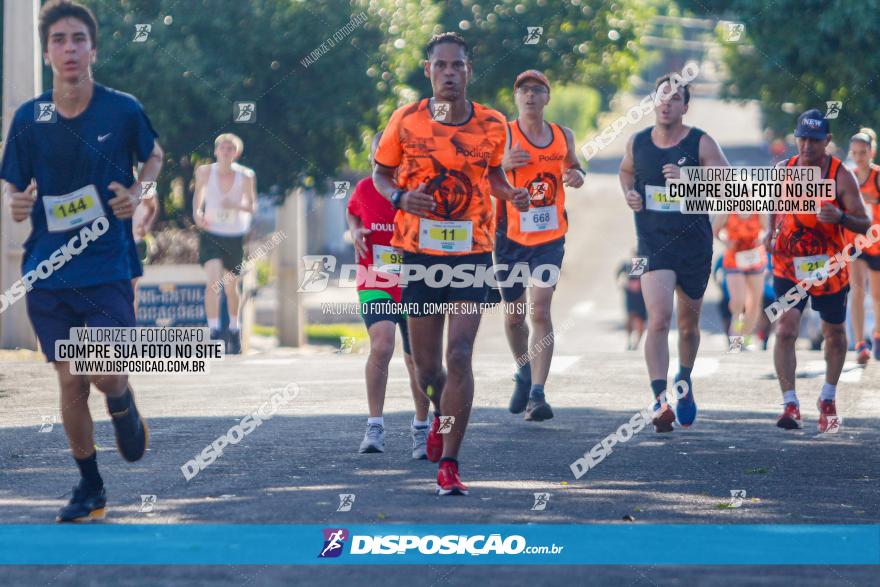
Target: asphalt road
{"points": [[291, 469]]}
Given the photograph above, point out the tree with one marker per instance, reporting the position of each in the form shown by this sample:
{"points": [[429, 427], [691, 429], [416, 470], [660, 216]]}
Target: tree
{"points": [[799, 54]]}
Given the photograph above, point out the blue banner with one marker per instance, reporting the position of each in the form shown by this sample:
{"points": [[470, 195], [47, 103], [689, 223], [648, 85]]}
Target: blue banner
{"points": [[232, 544]]}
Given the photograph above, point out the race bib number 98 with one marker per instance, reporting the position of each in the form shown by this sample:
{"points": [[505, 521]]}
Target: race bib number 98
{"points": [[74, 209], [387, 259]]}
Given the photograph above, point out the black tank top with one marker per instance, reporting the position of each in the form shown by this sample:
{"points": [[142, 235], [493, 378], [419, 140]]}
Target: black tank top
{"points": [[660, 228]]}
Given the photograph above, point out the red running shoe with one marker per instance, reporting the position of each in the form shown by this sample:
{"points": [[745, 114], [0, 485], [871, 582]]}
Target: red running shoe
{"points": [[448, 481], [663, 417], [434, 446], [828, 420], [790, 418], [863, 355]]}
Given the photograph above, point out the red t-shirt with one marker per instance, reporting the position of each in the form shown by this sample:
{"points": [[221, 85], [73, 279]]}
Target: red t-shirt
{"points": [[376, 214]]}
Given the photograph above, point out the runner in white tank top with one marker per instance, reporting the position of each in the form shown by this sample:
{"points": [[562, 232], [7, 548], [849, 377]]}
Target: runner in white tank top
{"points": [[224, 204]]}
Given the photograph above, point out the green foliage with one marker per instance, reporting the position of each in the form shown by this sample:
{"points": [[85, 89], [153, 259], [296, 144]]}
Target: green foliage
{"points": [[803, 53], [313, 118], [575, 107]]}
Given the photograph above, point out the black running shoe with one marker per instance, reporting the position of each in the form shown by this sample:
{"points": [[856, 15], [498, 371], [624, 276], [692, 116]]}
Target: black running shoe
{"points": [[538, 410], [520, 398], [132, 434], [87, 504], [220, 336], [233, 342]]}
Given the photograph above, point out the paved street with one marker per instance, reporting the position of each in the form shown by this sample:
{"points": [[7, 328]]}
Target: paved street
{"points": [[291, 469]]}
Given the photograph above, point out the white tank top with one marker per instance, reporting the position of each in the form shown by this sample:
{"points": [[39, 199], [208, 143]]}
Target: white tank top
{"points": [[225, 221]]}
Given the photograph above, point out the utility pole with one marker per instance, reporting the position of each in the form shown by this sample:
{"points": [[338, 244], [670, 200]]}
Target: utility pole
{"points": [[21, 82]]}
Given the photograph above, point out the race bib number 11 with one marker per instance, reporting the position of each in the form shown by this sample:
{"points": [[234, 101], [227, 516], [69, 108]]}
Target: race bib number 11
{"points": [[74, 209], [657, 199], [451, 236]]}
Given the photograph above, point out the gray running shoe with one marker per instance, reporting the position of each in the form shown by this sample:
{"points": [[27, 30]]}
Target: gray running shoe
{"points": [[374, 439], [419, 441]]}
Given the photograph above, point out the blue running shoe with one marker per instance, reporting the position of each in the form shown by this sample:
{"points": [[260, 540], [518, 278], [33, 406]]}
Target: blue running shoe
{"points": [[87, 504], [686, 407], [520, 398]]}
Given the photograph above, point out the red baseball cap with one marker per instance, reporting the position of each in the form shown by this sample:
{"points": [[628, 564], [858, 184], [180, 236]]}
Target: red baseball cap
{"points": [[533, 74]]}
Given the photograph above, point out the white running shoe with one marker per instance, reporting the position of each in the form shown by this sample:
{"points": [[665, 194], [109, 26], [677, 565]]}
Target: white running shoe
{"points": [[419, 441], [374, 439]]}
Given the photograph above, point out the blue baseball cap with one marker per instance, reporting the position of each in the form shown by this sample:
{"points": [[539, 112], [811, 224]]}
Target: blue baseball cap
{"points": [[812, 124]]}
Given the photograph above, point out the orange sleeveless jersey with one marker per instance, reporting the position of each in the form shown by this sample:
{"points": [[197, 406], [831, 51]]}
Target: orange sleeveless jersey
{"points": [[803, 236], [453, 161], [743, 234], [543, 178], [871, 195]]}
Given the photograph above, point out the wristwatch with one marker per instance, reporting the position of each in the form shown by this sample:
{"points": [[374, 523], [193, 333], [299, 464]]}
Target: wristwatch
{"points": [[396, 198], [842, 218]]}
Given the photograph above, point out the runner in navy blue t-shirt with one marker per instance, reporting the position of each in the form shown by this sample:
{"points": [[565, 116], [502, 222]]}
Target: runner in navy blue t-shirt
{"points": [[68, 164]]}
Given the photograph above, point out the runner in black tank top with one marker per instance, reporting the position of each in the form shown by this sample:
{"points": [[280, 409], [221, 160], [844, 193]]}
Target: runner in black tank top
{"points": [[677, 248]]}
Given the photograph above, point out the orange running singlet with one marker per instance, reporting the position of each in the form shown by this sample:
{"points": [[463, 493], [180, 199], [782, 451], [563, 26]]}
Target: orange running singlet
{"points": [[744, 251], [546, 219], [453, 160], [871, 195], [803, 244]]}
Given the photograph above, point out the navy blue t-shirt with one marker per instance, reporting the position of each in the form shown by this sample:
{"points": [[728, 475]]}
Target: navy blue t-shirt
{"points": [[63, 155]]}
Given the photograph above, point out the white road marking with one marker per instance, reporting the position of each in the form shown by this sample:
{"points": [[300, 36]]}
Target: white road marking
{"points": [[561, 363], [582, 308], [703, 367], [268, 361]]}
